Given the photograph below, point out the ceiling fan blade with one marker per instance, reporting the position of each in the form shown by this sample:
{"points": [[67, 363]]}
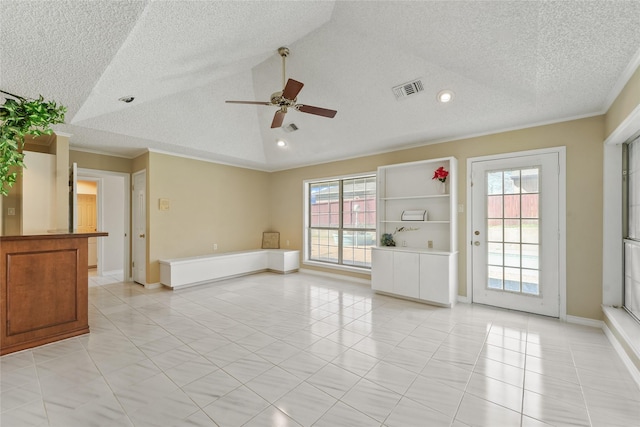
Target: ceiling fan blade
{"points": [[249, 102], [278, 118], [292, 89], [317, 111]]}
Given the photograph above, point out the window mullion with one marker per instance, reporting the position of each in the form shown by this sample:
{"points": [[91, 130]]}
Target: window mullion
{"points": [[340, 220]]}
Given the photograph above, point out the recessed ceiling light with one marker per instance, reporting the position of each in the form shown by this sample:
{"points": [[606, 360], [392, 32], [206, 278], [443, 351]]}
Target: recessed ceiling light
{"points": [[281, 143], [444, 96]]}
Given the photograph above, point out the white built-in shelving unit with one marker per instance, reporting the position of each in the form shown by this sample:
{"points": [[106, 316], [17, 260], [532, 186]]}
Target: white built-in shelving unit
{"points": [[423, 264]]}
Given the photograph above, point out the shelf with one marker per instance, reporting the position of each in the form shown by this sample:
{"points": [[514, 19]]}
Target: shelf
{"points": [[416, 222], [433, 196]]}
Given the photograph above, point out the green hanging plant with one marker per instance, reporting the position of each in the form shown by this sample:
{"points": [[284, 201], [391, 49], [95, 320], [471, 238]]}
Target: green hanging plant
{"points": [[20, 117]]}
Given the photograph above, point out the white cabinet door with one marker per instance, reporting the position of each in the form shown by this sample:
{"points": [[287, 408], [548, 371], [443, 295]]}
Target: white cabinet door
{"points": [[406, 279], [434, 278], [382, 270]]}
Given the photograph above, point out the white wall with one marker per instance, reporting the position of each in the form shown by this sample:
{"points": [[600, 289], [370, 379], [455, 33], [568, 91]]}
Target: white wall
{"points": [[114, 220], [39, 193]]}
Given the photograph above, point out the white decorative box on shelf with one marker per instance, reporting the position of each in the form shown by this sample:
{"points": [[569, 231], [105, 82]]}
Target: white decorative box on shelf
{"points": [[414, 211], [414, 215]]}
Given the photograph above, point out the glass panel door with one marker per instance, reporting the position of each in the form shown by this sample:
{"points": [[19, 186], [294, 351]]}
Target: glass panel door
{"points": [[515, 247]]}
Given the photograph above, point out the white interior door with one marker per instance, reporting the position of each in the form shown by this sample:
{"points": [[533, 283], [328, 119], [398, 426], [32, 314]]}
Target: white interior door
{"points": [[139, 198], [515, 225]]}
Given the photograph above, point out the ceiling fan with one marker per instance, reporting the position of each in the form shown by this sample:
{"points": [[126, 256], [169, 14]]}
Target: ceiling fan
{"points": [[286, 98]]}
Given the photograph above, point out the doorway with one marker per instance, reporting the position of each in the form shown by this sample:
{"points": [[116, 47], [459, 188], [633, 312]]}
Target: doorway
{"points": [[113, 217], [87, 221], [516, 228]]}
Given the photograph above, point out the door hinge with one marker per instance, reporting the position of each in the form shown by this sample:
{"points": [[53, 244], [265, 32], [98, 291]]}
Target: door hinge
{"points": [[133, 264]]}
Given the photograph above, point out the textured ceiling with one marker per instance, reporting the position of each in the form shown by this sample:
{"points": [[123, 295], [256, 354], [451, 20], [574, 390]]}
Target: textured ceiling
{"points": [[511, 64]]}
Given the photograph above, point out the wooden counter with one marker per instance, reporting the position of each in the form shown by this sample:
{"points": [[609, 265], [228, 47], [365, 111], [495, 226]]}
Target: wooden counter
{"points": [[43, 289]]}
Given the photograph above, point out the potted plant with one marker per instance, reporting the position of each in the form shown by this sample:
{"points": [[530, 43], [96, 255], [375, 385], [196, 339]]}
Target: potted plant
{"points": [[20, 117]]}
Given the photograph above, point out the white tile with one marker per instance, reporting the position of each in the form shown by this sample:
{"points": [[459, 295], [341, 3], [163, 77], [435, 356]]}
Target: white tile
{"points": [[409, 413], [277, 351], [475, 411], [392, 377], [333, 380], [372, 399], [190, 371], [552, 387], [495, 391], [303, 364], [344, 415], [456, 376], [435, 395], [503, 355], [273, 384], [170, 409], [210, 388], [272, 417], [248, 368], [305, 404], [554, 411], [32, 414], [236, 408], [611, 409], [227, 354], [500, 371], [559, 370]]}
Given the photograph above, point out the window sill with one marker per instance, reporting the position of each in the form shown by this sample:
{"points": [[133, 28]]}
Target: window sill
{"points": [[626, 331]]}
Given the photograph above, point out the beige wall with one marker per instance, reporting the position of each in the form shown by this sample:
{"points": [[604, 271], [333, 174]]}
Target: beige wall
{"points": [[209, 203], [100, 162], [583, 141]]}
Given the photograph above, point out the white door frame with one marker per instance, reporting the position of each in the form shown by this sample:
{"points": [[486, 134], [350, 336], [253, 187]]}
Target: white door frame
{"points": [[98, 175], [562, 219], [134, 227]]}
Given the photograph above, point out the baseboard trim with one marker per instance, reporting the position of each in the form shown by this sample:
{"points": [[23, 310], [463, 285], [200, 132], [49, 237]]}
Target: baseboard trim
{"points": [[336, 276], [152, 285], [119, 273], [464, 300], [585, 321]]}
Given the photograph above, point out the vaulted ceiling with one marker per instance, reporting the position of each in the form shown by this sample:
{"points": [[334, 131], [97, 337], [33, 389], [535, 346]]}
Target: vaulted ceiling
{"points": [[510, 64]]}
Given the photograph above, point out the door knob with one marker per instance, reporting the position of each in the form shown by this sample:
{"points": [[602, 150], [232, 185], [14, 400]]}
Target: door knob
{"points": [[141, 236], [476, 243], [477, 233]]}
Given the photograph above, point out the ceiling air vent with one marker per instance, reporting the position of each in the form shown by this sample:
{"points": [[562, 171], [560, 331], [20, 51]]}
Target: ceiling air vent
{"points": [[408, 89]]}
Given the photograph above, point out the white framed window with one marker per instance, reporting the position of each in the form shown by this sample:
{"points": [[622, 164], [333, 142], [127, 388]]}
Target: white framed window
{"points": [[340, 221]]}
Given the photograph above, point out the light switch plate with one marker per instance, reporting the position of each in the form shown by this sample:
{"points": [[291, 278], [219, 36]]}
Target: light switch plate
{"points": [[164, 204]]}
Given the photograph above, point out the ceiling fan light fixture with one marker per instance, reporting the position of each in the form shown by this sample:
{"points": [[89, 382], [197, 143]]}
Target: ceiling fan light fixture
{"points": [[444, 96]]}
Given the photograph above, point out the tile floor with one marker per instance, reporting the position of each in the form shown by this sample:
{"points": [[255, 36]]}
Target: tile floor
{"points": [[303, 350]]}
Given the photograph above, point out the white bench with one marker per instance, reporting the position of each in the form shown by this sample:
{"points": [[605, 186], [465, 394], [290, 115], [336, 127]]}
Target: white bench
{"points": [[184, 272]]}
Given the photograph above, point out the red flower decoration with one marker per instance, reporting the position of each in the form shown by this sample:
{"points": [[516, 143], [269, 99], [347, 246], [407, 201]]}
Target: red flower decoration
{"points": [[441, 174]]}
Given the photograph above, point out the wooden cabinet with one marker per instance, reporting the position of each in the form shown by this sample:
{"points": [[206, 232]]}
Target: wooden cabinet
{"points": [[420, 213], [43, 289]]}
